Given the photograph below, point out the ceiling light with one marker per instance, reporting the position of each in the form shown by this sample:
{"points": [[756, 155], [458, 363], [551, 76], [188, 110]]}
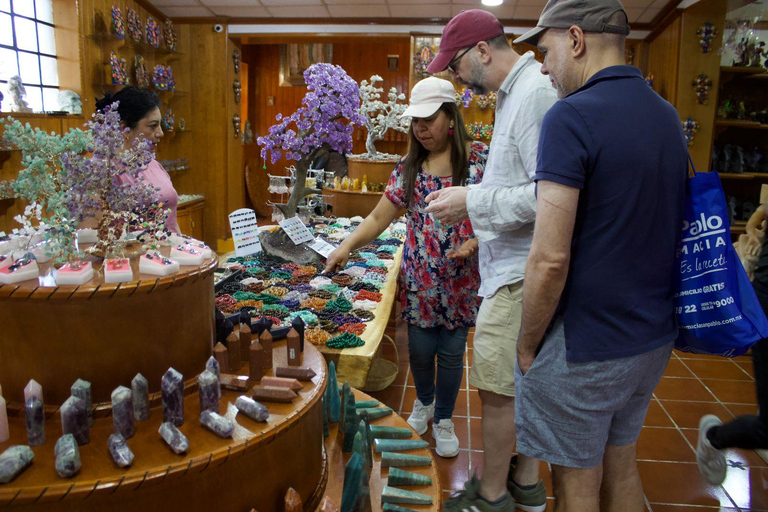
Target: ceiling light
{"points": [[492, 3]]}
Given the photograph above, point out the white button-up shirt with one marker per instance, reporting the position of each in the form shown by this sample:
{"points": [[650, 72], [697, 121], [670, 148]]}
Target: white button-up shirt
{"points": [[503, 207]]}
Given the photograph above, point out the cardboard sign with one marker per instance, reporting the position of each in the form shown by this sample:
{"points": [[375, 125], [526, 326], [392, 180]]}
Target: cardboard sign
{"points": [[296, 230]]}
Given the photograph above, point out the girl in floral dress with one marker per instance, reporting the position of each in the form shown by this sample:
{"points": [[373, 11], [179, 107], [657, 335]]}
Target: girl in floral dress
{"points": [[439, 273]]}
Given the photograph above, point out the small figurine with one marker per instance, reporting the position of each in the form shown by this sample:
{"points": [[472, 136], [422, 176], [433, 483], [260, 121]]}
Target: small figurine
{"points": [[69, 101], [140, 72], [17, 91], [247, 133]]}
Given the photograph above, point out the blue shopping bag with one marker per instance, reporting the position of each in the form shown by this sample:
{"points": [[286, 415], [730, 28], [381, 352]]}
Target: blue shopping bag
{"points": [[717, 310]]}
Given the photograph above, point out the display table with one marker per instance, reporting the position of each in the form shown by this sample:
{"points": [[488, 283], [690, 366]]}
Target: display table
{"points": [[253, 469], [353, 364], [337, 461]]}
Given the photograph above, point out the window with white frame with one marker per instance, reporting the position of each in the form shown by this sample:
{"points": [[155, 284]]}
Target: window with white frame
{"points": [[28, 49]]}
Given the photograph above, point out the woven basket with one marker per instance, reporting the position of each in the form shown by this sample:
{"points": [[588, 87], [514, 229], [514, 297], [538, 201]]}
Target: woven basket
{"points": [[383, 372]]}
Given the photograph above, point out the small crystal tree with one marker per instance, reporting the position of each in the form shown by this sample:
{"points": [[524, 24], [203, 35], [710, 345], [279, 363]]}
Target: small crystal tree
{"points": [[325, 121], [381, 116]]}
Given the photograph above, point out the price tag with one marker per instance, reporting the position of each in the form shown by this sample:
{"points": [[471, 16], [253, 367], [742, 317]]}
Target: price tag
{"points": [[245, 232], [322, 247], [296, 230]]}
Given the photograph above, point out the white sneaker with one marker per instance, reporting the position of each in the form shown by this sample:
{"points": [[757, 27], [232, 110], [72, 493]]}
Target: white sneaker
{"points": [[447, 444], [419, 418], [711, 461]]}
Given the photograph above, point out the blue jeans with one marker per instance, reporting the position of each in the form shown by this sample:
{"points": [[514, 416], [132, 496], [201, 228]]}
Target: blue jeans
{"points": [[448, 345]]}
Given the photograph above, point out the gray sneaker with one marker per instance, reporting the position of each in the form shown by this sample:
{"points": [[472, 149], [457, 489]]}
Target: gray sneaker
{"points": [[469, 500], [528, 500], [711, 461]]}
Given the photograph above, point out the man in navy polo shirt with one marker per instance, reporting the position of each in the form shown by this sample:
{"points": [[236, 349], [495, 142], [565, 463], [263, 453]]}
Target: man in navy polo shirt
{"points": [[611, 173]]}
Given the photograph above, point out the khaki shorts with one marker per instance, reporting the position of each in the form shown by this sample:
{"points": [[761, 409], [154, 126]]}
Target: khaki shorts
{"points": [[495, 343]]}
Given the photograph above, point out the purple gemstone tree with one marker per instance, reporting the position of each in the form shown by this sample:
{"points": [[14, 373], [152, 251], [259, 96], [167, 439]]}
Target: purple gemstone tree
{"points": [[326, 119]]}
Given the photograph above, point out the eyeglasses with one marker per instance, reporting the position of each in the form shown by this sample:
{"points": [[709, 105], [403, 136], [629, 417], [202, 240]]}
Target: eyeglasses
{"points": [[455, 61]]}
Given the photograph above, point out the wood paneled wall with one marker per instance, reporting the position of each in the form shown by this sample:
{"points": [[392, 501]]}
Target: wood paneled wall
{"points": [[360, 57], [664, 59]]}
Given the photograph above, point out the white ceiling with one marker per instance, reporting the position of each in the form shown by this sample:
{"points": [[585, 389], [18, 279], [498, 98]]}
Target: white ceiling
{"points": [[639, 11]]}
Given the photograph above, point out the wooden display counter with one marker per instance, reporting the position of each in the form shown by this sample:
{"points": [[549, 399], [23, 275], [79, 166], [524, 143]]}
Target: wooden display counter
{"points": [[337, 461], [347, 203], [353, 364], [104, 333], [253, 469]]}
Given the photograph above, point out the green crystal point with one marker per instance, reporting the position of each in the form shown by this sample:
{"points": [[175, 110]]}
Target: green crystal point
{"points": [[393, 459], [332, 395], [376, 412], [364, 428], [395, 495], [353, 483], [367, 404], [396, 445], [350, 421], [383, 432], [399, 476]]}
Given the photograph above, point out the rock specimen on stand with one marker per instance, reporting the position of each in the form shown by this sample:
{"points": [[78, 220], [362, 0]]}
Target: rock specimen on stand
{"points": [[332, 399], [395, 495], [67, 456], [233, 349], [293, 501], [273, 394], [122, 411], [265, 338], [82, 390], [208, 391], [217, 424], [212, 365], [256, 362], [172, 386], [385, 432], [400, 477], [293, 347], [221, 354], [292, 372], [14, 461], [252, 408], [394, 460], [376, 412], [398, 445], [74, 420], [177, 441], [34, 415], [118, 449], [277, 243], [282, 382], [140, 390]]}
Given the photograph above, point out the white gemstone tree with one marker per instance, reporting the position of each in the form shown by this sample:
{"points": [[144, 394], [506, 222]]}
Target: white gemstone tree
{"points": [[381, 116]]}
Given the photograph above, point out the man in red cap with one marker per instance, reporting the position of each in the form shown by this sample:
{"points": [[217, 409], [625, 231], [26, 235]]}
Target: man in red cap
{"points": [[502, 209]]}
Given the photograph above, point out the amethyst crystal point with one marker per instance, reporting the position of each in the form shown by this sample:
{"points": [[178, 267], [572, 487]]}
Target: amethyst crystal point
{"points": [[208, 390], [217, 424], [332, 399], [251, 408], [35, 416], [67, 456], [74, 420], [122, 411], [173, 397], [14, 461], [118, 448], [173, 436], [82, 390], [140, 390], [212, 365]]}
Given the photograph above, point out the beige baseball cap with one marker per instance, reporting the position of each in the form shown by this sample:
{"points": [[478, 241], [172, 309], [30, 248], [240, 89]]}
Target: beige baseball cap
{"points": [[428, 95]]}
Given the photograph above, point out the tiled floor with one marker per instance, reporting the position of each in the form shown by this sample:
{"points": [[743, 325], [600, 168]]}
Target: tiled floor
{"points": [[693, 385]]}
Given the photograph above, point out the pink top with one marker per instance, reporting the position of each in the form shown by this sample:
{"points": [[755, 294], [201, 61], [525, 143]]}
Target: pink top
{"points": [[159, 178]]}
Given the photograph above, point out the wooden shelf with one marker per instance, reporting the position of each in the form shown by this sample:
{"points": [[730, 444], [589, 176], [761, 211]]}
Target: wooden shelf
{"points": [[743, 176], [738, 70], [736, 123]]}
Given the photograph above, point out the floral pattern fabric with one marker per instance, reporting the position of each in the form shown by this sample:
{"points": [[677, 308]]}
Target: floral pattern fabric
{"points": [[435, 290]]}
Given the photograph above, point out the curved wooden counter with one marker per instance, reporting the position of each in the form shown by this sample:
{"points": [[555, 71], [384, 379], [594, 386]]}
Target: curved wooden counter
{"points": [[337, 461], [104, 333], [253, 469]]}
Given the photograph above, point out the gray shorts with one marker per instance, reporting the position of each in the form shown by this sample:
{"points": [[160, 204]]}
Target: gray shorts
{"points": [[566, 413]]}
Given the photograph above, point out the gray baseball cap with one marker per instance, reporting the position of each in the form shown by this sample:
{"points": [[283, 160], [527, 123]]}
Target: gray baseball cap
{"points": [[590, 15]]}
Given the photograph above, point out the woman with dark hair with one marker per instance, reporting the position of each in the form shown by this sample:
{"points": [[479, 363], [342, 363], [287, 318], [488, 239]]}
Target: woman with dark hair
{"points": [[139, 111], [439, 273]]}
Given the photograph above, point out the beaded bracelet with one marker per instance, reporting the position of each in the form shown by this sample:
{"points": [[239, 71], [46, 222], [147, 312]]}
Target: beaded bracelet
{"points": [[353, 328], [316, 336], [295, 295], [374, 282], [280, 291], [364, 305], [275, 310], [255, 304], [314, 303], [290, 304], [360, 285], [362, 314], [225, 300], [308, 317], [376, 262], [328, 326], [244, 296], [303, 288], [358, 264], [273, 281], [300, 278], [353, 271], [377, 270], [267, 298], [249, 310], [367, 255], [333, 288], [339, 304], [345, 340], [232, 287], [366, 295], [384, 256], [321, 294], [342, 280], [305, 270], [281, 274], [391, 249], [255, 287], [319, 281], [291, 267]]}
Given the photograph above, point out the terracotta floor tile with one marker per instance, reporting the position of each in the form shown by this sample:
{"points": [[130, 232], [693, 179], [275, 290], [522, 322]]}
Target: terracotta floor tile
{"points": [[408, 398], [676, 368], [677, 483], [476, 463], [688, 414], [656, 416], [749, 368], [665, 444], [461, 404], [674, 388], [464, 383], [403, 376], [748, 488], [700, 357], [475, 405], [737, 455], [390, 396], [461, 429], [733, 391], [722, 369], [741, 409], [476, 433], [453, 472]]}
